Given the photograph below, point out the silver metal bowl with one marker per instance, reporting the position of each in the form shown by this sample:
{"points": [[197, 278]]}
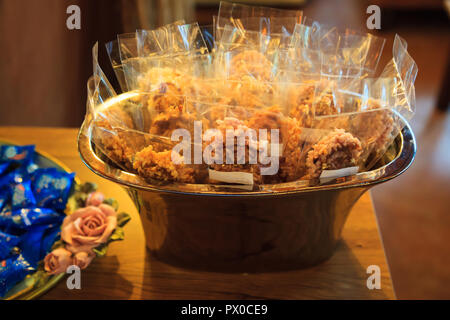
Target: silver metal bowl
{"points": [[283, 226]]}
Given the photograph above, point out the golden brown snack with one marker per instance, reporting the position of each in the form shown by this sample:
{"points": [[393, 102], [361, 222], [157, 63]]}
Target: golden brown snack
{"points": [[250, 63], [306, 102], [337, 150], [324, 100], [164, 123], [112, 135], [153, 165], [167, 97], [114, 146], [300, 104], [268, 118], [289, 138], [324, 105], [116, 116], [375, 128], [247, 92], [165, 91], [290, 162], [217, 113], [240, 162], [174, 100], [156, 75]]}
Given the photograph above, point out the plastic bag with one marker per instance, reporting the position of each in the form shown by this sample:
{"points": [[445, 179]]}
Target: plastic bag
{"points": [[304, 97]]}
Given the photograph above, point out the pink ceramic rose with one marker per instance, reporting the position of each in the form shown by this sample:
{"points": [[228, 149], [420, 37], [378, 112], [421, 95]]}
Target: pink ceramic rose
{"points": [[83, 259], [88, 227], [95, 199], [57, 261]]}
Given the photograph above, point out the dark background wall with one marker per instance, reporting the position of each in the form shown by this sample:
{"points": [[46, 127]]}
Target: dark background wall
{"points": [[44, 66]]}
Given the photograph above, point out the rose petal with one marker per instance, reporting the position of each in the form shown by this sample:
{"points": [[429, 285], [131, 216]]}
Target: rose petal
{"points": [[97, 231], [89, 227], [79, 213], [67, 232], [111, 225], [84, 239], [77, 224], [57, 261], [83, 259], [107, 210], [97, 219]]}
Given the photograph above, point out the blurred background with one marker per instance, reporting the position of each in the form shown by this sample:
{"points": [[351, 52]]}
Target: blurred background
{"points": [[44, 68]]}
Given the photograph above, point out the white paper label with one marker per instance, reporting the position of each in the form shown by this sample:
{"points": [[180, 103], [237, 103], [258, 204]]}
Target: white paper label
{"points": [[333, 174], [231, 177]]}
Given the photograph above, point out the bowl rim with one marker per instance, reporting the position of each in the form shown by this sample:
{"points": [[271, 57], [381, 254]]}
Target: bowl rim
{"points": [[397, 166]]}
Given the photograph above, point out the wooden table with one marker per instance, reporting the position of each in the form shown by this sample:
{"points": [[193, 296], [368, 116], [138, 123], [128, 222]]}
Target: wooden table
{"points": [[128, 272]]}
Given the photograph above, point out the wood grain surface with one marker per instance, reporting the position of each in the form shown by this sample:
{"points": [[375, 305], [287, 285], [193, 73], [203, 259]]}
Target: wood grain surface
{"points": [[128, 272]]}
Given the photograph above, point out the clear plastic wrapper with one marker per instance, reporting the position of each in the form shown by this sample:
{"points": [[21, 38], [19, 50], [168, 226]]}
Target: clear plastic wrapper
{"points": [[268, 21], [301, 97], [176, 46], [112, 48], [98, 87], [131, 64], [244, 54], [156, 42], [374, 110], [343, 54]]}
